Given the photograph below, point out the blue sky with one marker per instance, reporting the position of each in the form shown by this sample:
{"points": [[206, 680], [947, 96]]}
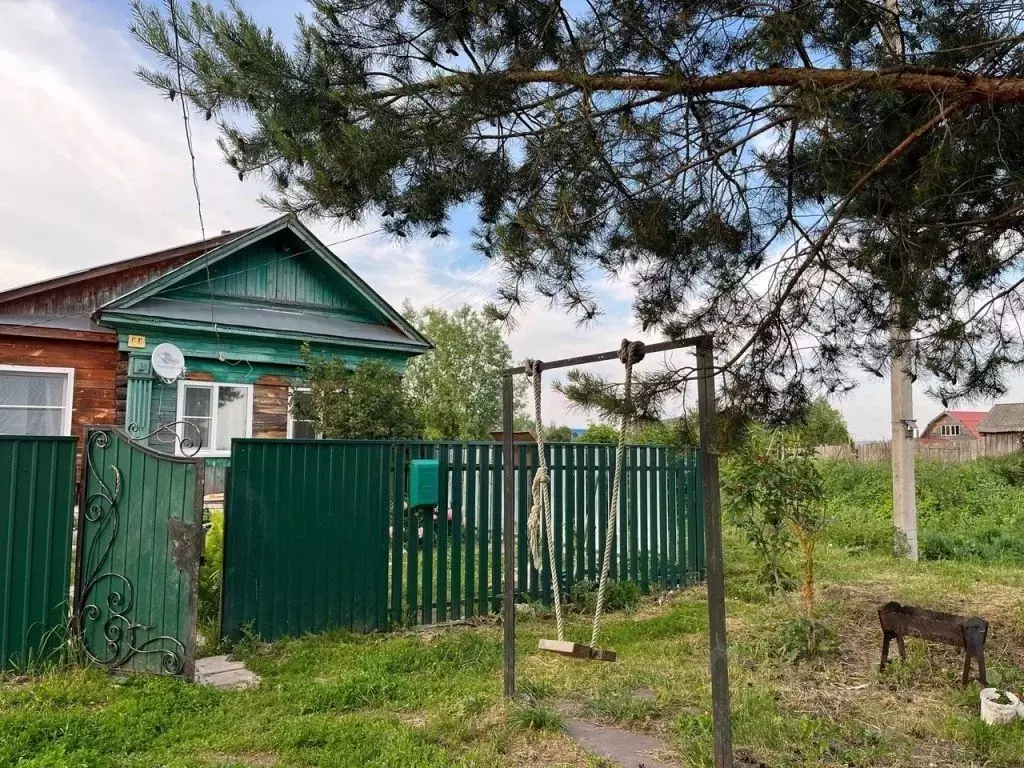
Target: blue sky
{"points": [[96, 170]]}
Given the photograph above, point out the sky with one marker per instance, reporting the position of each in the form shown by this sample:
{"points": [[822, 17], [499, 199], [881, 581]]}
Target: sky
{"points": [[95, 169]]}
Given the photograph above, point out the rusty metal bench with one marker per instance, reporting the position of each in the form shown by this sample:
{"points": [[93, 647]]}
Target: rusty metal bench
{"points": [[899, 621]]}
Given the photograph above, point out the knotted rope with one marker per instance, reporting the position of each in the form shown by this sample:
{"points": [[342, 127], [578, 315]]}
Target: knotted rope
{"points": [[630, 353], [540, 509]]}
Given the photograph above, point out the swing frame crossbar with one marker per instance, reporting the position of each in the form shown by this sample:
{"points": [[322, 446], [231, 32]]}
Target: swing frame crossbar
{"points": [[715, 577]]}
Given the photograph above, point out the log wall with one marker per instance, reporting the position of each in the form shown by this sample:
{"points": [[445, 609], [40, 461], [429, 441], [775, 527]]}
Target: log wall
{"points": [[95, 365]]}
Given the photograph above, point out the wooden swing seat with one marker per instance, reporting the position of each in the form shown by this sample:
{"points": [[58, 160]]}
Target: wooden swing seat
{"points": [[576, 650]]}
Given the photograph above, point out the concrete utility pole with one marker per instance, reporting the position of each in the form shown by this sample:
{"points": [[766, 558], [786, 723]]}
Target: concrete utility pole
{"points": [[904, 501]]}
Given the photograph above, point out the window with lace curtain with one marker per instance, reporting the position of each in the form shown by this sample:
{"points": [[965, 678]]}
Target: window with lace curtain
{"points": [[35, 400]]}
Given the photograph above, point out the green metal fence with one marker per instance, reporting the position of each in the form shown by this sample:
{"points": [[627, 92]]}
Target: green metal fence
{"points": [[318, 533], [37, 487], [305, 537], [446, 562]]}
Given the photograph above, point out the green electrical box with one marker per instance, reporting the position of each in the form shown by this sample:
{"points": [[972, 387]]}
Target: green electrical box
{"points": [[423, 482]]}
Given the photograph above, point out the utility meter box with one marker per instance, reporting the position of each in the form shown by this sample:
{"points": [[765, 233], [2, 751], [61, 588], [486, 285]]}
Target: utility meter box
{"points": [[423, 482]]}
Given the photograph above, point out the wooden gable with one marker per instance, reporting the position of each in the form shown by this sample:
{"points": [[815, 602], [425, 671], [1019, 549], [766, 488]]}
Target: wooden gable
{"points": [[276, 282], [278, 271]]}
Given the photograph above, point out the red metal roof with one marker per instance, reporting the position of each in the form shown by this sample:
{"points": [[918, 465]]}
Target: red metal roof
{"points": [[969, 419]]}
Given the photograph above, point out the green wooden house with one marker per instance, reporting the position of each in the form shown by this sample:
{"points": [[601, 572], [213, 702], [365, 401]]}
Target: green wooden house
{"points": [[239, 313]]}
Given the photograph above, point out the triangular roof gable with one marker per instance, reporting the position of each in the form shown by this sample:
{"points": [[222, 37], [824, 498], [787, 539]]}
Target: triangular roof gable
{"points": [[967, 419], [312, 242]]}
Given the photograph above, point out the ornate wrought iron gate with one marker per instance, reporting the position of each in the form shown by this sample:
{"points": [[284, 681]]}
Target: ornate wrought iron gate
{"points": [[139, 541]]}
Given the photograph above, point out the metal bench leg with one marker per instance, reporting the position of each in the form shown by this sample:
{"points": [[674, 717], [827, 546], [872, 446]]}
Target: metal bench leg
{"points": [[974, 646]]}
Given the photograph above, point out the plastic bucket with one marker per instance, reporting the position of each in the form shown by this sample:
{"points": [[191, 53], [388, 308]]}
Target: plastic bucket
{"points": [[998, 714]]}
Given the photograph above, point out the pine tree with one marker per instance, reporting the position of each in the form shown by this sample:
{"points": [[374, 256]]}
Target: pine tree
{"points": [[766, 172]]}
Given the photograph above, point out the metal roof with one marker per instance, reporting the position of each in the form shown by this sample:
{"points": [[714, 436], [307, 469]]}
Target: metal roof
{"points": [[969, 419], [188, 250], [79, 322], [1004, 417], [294, 322]]}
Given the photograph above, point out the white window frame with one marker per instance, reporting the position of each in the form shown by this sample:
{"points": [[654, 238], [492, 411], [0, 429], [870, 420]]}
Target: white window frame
{"points": [[214, 386], [950, 430], [69, 391], [291, 417]]}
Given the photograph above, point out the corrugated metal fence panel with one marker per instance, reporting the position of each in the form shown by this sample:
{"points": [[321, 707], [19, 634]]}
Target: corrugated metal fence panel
{"points": [[37, 487], [306, 536], [443, 563]]}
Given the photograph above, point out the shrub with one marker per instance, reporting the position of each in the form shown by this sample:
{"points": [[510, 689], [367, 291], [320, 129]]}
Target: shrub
{"points": [[774, 494], [807, 638], [210, 572]]}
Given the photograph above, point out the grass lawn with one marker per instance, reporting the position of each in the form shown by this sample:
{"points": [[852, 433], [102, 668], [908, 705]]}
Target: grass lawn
{"points": [[433, 699]]}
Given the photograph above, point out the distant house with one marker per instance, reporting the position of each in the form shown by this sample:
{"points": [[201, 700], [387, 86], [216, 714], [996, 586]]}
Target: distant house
{"points": [[954, 425], [1004, 419], [76, 350]]}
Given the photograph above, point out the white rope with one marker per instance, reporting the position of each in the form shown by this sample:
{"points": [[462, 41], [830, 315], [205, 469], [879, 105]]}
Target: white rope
{"points": [[540, 509], [629, 353]]}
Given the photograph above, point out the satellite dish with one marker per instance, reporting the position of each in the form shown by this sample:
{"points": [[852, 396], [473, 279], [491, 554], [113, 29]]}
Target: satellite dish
{"points": [[168, 363]]}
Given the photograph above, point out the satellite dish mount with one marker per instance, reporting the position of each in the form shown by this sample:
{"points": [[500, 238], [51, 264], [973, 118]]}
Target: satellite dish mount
{"points": [[168, 363]]}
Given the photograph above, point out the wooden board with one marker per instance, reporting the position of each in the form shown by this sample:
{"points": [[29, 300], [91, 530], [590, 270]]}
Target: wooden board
{"points": [[270, 407], [576, 650]]}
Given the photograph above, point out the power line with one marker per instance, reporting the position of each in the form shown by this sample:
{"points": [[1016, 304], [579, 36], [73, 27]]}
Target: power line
{"points": [[192, 157], [471, 283]]}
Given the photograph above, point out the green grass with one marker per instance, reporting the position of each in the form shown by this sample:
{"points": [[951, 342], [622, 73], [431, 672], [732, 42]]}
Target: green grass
{"points": [[970, 511], [434, 699]]}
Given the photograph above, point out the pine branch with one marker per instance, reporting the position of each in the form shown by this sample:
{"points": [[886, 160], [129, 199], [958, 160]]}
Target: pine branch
{"points": [[906, 80]]}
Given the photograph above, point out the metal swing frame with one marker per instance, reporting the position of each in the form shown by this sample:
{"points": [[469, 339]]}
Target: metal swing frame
{"points": [[719, 663]]}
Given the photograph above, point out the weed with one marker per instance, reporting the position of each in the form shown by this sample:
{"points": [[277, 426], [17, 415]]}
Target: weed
{"points": [[619, 596], [534, 717], [972, 511], [623, 707], [210, 572], [54, 649], [534, 690], [806, 639]]}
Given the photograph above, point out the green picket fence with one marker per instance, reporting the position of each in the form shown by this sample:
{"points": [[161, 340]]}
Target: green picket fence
{"points": [[446, 562], [318, 534]]}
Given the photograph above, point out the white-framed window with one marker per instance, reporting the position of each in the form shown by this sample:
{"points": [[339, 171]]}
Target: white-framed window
{"points": [[219, 412], [299, 428], [950, 430], [35, 401]]}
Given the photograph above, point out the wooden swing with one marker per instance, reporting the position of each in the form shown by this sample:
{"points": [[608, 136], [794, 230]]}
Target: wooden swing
{"points": [[541, 521]]}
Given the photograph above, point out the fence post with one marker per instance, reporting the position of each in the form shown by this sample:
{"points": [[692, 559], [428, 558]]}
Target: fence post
{"points": [[509, 477], [713, 551]]}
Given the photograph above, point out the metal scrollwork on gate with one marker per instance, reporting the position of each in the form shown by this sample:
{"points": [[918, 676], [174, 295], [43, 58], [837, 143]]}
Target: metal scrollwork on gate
{"points": [[184, 436], [123, 634]]}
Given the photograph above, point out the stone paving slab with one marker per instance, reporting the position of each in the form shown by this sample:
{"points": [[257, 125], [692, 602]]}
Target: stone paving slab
{"points": [[623, 748], [224, 672]]}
